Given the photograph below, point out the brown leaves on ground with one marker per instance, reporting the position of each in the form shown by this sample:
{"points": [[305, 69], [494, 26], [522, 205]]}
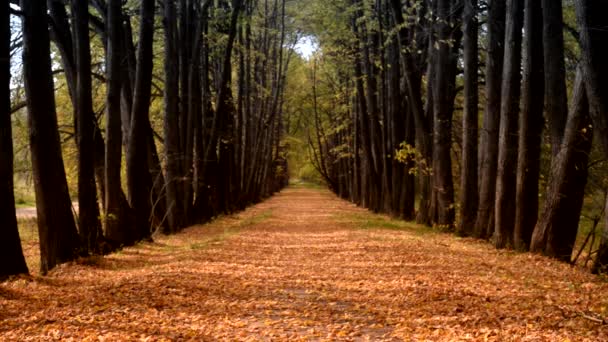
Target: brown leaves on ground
{"points": [[307, 266]]}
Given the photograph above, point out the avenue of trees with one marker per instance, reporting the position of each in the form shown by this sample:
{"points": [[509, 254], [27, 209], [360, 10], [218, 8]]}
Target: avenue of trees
{"points": [[176, 110], [486, 118]]}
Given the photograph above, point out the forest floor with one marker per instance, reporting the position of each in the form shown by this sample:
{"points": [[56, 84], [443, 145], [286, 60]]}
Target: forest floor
{"points": [[306, 265]]}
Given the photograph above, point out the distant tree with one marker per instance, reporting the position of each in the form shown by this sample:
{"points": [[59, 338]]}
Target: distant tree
{"points": [[59, 240], [11, 253]]}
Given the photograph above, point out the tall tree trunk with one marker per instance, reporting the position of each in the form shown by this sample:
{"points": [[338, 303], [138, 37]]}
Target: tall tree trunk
{"points": [[116, 225], [225, 111], [556, 99], [555, 233], [173, 155], [423, 124], [442, 159], [591, 16], [58, 235], [469, 194], [89, 224], [509, 114], [138, 174], [530, 128], [484, 223], [11, 253]]}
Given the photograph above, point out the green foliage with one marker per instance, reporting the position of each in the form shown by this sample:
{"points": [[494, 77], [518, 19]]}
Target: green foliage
{"points": [[408, 154]]}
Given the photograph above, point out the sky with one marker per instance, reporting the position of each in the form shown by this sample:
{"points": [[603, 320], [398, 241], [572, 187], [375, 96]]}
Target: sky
{"points": [[307, 46]]}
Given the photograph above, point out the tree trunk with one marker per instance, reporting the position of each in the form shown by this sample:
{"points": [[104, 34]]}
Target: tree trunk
{"points": [[173, 155], [11, 253], [530, 128], [442, 159], [591, 16], [116, 224], [484, 223], [556, 95], [468, 185], [58, 235], [555, 233], [138, 174], [509, 113], [89, 224]]}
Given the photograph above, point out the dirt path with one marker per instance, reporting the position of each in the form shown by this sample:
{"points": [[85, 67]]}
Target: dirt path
{"points": [[307, 266]]}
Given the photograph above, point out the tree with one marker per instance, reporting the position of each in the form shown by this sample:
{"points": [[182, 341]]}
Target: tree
{"points": [[509, 114], [555, 232], [443, 105], [468, 185], [171, 120], [116, 226], [530, 128], [11, 253], [593, 36], [139, 180], [89, 223], [58, 235], [556, 99], [484, 223]]}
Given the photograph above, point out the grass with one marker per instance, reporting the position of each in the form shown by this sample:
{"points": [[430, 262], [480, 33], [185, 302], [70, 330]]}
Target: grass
{"points": [[302, 184], [370, 221], [231, 230]]}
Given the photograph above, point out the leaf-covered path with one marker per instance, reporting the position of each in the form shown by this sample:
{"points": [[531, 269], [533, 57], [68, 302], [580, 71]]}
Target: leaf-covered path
{"points": [[306, 265]]}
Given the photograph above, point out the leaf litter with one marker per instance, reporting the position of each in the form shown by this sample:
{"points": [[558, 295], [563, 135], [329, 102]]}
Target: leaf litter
{"points": [[306, 265]]}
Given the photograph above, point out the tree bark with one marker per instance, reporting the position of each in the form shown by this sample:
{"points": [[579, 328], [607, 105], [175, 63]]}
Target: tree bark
{"points": [[58, 235], [89, 224], [530, 128], [442, 138], [555, 233], [593, 26], [116, 224], [469, 194], [509, 114], [556, 95], [171, 120], [139, 181], [484, 223], [11, 254]]}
